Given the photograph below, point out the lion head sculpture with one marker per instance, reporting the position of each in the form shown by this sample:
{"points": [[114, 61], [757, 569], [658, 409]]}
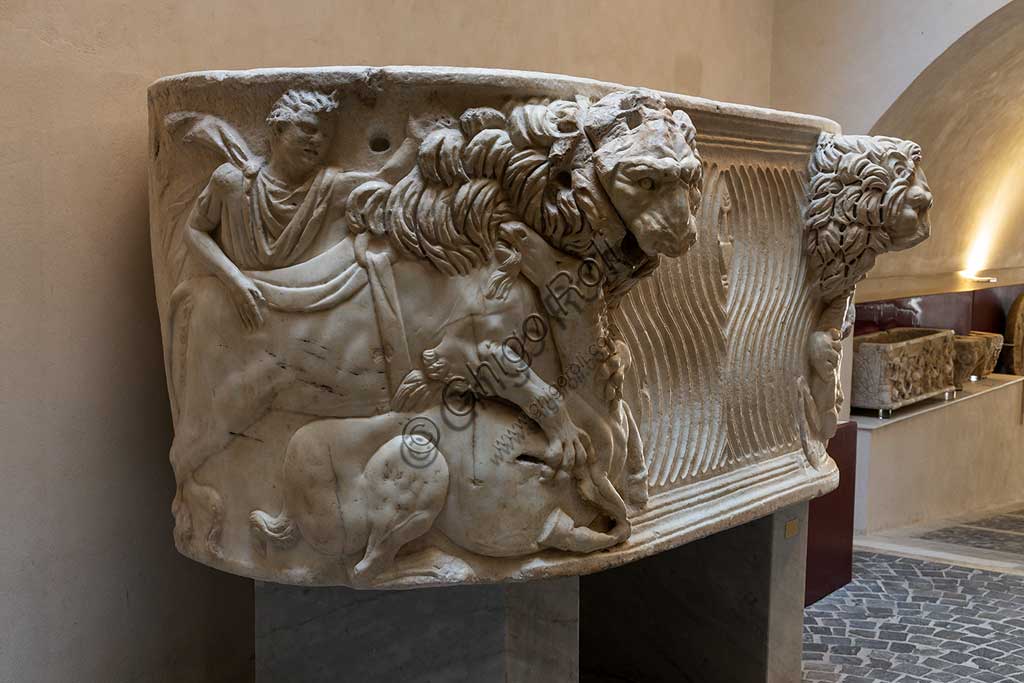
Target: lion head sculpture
{"points": [[648, 165], [622, 174], [868, 195]]}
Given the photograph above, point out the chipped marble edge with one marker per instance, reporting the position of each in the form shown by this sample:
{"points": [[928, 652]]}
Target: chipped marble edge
{"points": [[504, 78]]}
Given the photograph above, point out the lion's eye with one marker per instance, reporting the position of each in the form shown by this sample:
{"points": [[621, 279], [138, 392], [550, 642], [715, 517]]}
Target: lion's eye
{"points": [[646, 183]]}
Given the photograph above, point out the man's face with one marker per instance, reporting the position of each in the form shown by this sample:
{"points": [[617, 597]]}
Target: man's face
{"points": [[303, 142]]}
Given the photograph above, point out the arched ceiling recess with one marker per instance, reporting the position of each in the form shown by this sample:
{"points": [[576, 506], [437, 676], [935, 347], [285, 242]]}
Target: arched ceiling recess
{"points": [[967, 112]]}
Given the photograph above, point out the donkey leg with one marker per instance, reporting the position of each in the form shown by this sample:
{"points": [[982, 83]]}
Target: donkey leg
{"points": [[561, 532], [207, 424], [594, 483], [403, 498], [311, 509], [636, 488], [609, 501], [197, 508], [205, 516]]}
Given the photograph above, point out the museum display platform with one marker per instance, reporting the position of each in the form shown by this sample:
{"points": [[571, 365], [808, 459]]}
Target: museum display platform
{"points": [[940, 459]]}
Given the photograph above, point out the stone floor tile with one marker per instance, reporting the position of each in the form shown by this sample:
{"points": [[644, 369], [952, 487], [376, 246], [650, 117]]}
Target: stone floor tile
{"points": [[904, 620]]}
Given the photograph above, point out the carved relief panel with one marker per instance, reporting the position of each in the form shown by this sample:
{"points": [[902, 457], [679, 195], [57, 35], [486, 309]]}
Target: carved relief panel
{"points": [[431, 326]]}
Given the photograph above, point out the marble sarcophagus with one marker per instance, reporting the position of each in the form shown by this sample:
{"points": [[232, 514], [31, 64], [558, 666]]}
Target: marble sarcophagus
{"points": [[429, 326]]}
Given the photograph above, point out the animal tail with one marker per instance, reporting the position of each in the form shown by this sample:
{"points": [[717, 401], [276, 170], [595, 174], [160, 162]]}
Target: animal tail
{"points": [[280, 531]]}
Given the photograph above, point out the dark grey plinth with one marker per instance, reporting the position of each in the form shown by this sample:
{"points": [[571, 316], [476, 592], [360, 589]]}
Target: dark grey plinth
{"points": [[726, 609], [475, 634]]}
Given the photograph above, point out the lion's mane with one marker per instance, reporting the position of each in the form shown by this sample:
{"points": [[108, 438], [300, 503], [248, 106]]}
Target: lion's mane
{"points": [[857, 187], [531, 163]]}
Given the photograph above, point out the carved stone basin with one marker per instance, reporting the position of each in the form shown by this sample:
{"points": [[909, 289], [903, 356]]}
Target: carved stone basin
{"points": [[428, 326], [987, 365], [901, 366], [970, 353]]}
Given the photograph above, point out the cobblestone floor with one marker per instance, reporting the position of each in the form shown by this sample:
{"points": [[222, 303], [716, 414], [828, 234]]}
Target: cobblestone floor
{"points": [[984, 539], [908, 621], [1002, 532]]}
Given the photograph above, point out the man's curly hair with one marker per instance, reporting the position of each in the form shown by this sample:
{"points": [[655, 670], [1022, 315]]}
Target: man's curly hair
{"points": [[857, 187], [294, 102]]}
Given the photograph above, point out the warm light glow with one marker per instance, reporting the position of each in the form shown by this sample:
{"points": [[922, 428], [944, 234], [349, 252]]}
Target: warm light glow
{"points": [[968, 275], [990, 223]]}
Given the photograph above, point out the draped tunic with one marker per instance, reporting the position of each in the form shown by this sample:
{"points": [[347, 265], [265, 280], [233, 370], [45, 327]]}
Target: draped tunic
{"points": [[278, 235], [262, 223]]}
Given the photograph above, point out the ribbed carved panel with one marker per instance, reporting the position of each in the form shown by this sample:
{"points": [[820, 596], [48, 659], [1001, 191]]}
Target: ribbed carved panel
{"points": [[674, 323], [717, 336], [769, 312]]}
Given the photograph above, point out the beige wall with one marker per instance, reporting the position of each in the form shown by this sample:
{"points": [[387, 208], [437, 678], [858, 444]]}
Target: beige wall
{"points": [[90, 586], [947, 74], [849, 60], [967, 112]]}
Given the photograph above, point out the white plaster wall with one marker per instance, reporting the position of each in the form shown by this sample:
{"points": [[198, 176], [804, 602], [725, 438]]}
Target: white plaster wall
{"points": [[90, 586], [849, 61]]}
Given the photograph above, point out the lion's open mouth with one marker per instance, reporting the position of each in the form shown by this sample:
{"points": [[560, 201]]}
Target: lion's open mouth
{"points": [[631, 251]]}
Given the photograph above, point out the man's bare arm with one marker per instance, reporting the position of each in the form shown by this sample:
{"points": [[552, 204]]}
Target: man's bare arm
{"points": [[245, 295]]}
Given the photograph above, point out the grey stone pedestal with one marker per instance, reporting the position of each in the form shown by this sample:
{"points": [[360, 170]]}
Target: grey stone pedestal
{"points": [[517, 633], [725, 609]]}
